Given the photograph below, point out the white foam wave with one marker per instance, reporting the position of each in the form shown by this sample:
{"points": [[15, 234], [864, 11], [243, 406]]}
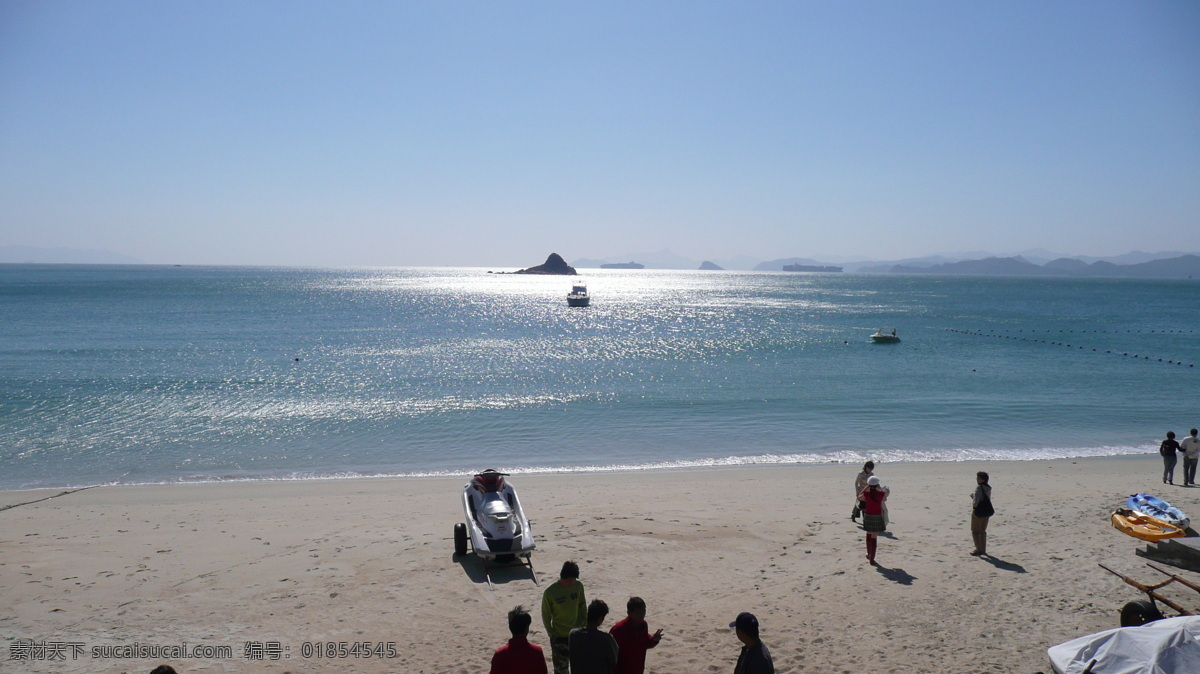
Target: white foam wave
{"points": [[837, 457]]}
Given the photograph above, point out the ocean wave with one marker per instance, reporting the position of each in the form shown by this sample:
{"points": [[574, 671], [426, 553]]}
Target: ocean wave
{"points": [[848, 457]]}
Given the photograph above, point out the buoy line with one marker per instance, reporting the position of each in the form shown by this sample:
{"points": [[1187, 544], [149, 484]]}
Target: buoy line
{"points": [[1139, 356], [1099, 332]]}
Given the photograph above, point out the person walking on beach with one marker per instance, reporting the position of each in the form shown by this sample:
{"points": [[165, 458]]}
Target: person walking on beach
{"points": [[633, 638], [593, 651], [860, 483], [519, 656], [1168, 449], [981, 510], [873, 498], [1191, 455], [563, 609], [754, 657]]}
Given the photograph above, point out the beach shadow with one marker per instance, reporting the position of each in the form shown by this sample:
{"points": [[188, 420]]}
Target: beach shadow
{"points": [[1003, 565], [501, 574], [896, 575]]}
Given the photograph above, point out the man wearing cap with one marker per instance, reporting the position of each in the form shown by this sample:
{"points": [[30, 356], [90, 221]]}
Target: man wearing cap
{"points": [[754, 658]]}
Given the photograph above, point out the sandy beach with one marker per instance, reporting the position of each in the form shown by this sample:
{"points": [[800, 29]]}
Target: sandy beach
{"points": [[266, 568]]}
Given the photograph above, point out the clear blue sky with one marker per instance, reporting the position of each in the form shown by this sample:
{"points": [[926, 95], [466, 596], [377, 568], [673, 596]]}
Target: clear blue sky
{"points": [[491, 133]]}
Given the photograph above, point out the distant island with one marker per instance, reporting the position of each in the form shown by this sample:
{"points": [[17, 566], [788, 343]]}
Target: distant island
{"points": [[811, 267], [783, 264], [1167, 264], [553, 265]]}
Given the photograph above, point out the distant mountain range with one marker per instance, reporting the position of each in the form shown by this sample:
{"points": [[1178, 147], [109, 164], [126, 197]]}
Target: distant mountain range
{"points": [[1035, 262], [1183, 266]]}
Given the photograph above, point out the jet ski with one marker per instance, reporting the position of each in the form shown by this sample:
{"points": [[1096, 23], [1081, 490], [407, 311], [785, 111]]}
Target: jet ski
{"points": [[496, 525]]}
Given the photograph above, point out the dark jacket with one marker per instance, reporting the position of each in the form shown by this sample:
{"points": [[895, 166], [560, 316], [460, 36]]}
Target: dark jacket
{"points": [[754, 660]]}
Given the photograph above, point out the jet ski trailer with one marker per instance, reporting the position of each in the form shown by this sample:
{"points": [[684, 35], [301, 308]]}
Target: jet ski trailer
{"points": [[496, 526]]}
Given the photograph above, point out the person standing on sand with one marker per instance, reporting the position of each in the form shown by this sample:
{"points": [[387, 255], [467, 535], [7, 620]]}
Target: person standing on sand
{"points": [[873, 498], [754, 657], [860, 483], [593, 651], [518, 656], [1191, 455], [981, 510], [563, 609], [1168, 450], [633, 638]]}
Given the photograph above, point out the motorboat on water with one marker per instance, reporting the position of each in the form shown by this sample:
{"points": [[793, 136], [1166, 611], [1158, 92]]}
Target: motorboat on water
{"points": [[885, 336], [496, 526], [578, 297]]}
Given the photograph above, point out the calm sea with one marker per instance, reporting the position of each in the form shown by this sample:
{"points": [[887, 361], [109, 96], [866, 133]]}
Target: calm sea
{"points": [[167, 374]]}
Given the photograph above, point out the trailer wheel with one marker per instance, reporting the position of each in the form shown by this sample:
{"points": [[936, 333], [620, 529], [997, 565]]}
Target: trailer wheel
{"points": [[460, 539], [1139, 613]]}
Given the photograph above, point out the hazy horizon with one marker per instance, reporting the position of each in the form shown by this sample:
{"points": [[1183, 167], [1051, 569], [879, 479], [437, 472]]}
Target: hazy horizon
{"points": [[365, 134], [652, 260]]}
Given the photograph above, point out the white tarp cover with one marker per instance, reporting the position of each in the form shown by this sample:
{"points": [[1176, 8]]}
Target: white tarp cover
{"points": [[1170, 646]]}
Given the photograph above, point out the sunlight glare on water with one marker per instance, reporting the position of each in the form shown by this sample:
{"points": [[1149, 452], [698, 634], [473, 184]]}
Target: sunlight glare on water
{"points": [[153, 374]]}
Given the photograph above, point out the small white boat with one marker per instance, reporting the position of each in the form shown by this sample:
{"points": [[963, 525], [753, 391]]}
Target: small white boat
{"points": [[885, 335], [578, 297]]}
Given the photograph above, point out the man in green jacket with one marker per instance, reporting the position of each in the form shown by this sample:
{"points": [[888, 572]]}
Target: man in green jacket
{"points": [[563, 609]]}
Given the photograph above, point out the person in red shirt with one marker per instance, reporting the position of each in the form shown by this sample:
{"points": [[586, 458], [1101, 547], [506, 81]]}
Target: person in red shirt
{"points": [[633, 638], [518, 656], [874, 519]]}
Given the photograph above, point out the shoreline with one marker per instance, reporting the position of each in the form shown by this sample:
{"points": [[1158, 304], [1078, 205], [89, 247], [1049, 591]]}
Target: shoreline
{"points": [[730, 463], [303, 562]]}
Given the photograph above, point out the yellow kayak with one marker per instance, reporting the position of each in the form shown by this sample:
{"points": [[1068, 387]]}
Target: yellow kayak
{"points": [[1144, 527]]}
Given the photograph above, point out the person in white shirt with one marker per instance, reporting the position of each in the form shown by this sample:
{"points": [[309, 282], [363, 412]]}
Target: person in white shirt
{"points": [[1191, 456]]}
